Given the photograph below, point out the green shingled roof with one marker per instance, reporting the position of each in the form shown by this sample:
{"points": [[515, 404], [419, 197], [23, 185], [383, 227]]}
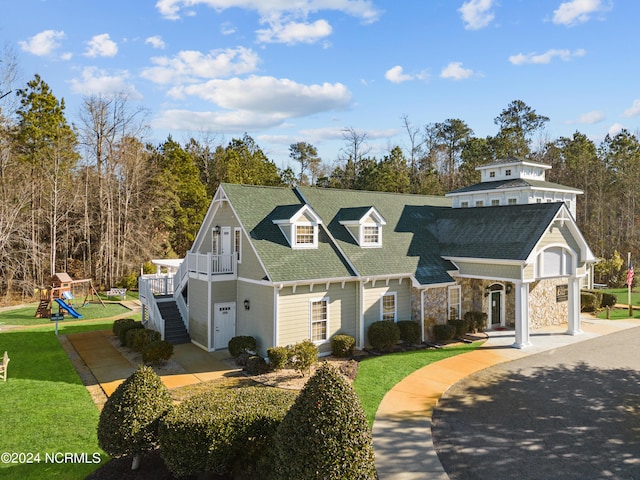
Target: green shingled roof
{"points": [[420, 230], [257, 207]]}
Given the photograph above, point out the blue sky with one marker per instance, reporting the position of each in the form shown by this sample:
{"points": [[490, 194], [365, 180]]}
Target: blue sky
{"points": [[285, 71]]}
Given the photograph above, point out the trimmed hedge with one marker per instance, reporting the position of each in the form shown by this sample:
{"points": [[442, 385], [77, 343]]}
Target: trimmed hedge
{"points": [[278, 357], [157, 353], [128, 422], [477, 320], [410, 331], [443, 333], [342, 345], [461, 326], [588, 301], [221, 431], [608, 300], [124, 328], [118, 324], [142, 338], [242, 343], [383, 335], [325, 434]]}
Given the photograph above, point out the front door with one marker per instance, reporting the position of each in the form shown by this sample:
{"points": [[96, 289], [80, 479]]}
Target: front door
{"points": [[224, 324], [496, 309]]}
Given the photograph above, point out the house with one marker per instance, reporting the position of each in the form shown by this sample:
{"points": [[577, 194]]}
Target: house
{"points": [[284, 265]]}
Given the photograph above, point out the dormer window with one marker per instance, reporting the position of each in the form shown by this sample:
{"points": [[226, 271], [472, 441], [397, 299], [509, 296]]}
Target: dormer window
{"points": [[299, 224], [364, 224], [492, 174], [507, 172]]}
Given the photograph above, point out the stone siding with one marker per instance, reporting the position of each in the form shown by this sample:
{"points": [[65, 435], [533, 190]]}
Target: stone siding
{"points": [[544, 310]]}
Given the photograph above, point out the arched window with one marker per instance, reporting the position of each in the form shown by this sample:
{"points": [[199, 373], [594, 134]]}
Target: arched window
{"points": [[555, 262]]}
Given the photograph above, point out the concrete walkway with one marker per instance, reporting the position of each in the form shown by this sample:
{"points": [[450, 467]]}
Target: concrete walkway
{"points": [[402, 439], [110, 368]]}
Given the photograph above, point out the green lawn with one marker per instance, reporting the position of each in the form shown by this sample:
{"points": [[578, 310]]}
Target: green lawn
{"points": [[45, 408], [377, 375], [623, 298], [622, 294], [92, 311]]}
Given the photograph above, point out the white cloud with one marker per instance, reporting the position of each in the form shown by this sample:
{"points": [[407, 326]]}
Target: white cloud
{"points": [[396, 75], [589, 118], [577, 11], [218, 122], [101, 46], [363, 9], [155, 41], [294, 32], [476, 14], [634, 110], [546, 57], [277, 98], [227, 28], [43, 43], [615, 129], [191, 65], [95, 81], [455, 71]]}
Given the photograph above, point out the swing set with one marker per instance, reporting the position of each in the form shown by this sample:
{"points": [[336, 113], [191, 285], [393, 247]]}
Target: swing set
{"points": [[62, 291]]}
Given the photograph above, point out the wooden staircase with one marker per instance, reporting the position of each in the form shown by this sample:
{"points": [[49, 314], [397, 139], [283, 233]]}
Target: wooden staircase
{"points": [[174, 329]]}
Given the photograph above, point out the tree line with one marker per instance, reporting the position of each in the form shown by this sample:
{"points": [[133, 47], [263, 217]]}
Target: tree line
{"points": [[91, 198]]}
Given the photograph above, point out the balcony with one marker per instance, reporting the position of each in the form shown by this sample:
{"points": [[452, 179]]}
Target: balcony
{"points": [[212, 267]]}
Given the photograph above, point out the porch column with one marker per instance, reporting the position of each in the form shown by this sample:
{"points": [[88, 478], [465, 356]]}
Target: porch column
{"points": [[575, 324], [522, 315]]}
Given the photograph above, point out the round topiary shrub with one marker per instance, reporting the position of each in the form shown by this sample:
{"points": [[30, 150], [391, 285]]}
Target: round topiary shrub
{"points": [[242, 343], [384, 335], [325, 434], [256, 365], [608, 300], [128, 422], [443, 333], [410, 331], [157, 353], [342, 345], [303, 355], [278, 357], [223, 431]]}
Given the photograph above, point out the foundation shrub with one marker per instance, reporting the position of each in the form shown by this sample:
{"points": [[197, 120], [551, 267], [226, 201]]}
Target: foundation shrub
{"points": [[278, 357], [443, 333], [477, 320], [461, 327], [118, 324], [342, 345], [325, 434], [303, 355], [223, 432], [128, 423], [256, 365], [157, 353], [141, 338], [383, 335], [242, 343], [409, 331], [125, 328]]}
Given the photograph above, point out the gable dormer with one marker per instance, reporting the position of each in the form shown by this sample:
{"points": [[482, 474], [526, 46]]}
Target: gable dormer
{"points": [[299, 224], [364, 224]]}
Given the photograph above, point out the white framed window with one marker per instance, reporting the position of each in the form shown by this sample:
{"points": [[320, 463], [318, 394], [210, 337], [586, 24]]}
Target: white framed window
{"points": [[215, 241], [237, 243], [554, 262], [305, 236], [507, 172], [319, 320], [371, 236], [512, 201], [495, 202], [455, 301], [388, 307], [479, 203], [464, 204], [492, 174]]}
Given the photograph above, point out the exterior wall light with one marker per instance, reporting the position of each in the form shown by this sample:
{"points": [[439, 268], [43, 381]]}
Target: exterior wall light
{"points": [[247, 304]]}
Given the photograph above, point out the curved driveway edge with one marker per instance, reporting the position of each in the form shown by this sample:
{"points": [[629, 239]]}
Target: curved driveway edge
{"points": [[402, 439]]}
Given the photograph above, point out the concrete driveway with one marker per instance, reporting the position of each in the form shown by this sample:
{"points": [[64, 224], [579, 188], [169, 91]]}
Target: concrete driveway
{"points": [[568, 413]]}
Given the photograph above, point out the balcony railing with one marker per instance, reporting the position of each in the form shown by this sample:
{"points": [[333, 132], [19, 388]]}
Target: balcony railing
{"points": [[209, 265]]}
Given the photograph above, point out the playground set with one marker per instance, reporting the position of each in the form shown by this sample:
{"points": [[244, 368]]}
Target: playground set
{"points": [[62, 291]]}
